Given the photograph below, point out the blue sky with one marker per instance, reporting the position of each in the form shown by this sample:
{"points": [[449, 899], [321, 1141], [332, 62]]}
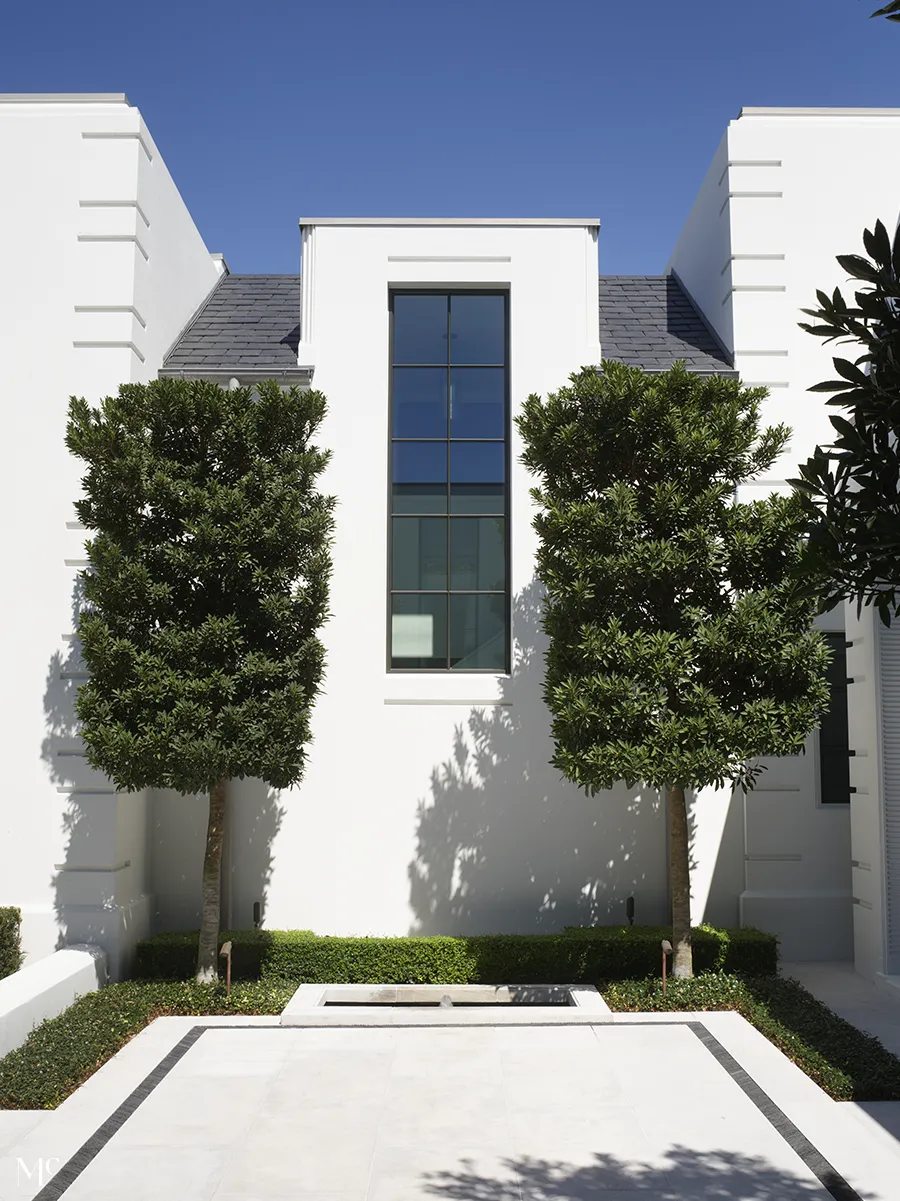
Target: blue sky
{"points": [[268, 111]]}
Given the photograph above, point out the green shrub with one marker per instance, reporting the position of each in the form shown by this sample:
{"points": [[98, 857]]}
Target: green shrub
{"points": [[575, 956], [64, 1051], [10, 945], [848, 1064]]}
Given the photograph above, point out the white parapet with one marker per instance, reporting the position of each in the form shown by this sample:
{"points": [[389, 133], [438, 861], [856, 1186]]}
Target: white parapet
{"points": [[45, 988]]}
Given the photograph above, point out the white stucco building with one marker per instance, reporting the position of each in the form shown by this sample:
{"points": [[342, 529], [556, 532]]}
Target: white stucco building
{"points": [[428, 805]]}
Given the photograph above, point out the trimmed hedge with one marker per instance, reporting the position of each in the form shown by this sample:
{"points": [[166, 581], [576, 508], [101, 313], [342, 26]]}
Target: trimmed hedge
{"points": [[10, 945], [576, 956], [64, 1051], [848, 1064]]}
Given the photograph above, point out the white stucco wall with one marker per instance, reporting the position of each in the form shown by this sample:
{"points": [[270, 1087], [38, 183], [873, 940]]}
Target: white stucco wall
{"points": [[102, 266], [788, 190], [429, 804]]}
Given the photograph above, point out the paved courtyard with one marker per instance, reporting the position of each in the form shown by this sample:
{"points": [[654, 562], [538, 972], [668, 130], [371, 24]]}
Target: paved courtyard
{"points": [[681, 1108]]}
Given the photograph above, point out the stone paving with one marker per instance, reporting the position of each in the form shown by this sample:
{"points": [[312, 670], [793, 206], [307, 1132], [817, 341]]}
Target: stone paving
{"points": [[677, 1107]]}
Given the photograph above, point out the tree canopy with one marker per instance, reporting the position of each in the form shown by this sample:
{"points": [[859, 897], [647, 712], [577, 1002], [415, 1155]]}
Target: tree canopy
{"points": [[851, 488], [680, 649], [209, 562]]}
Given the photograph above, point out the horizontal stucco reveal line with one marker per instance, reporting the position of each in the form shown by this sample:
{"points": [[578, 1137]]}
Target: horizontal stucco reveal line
{"points": [[109, 346], [774, 858], [765, 383], [115, 238], [118, 136], [116, 204], [749, 196], [447, 701], [64, 98], [449, 258], [766, 354], [111, 308], [752, 288], [513, 222], [860, 866], [751, 258], [93, 867], [69, 790], [749, 162]]}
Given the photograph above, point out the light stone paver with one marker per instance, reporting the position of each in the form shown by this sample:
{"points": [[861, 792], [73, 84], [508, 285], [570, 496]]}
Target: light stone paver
{"points": [[630, 1109]]}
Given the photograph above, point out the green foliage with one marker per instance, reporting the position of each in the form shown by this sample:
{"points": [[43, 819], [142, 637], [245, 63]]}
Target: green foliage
{"points": [[208, 581], [680, 649], [851, 489], [64, 1051], [575, 956], [891, 11], [10, 946], [847, 1064]]}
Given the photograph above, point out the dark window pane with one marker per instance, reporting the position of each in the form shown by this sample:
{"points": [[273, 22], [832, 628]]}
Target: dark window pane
{"points": [[420, 329], [420, 402], [477, 498], [478, 329], [420, 462], [477, 554], [420, 498], [419, 631], [477, 632], [477, 402], [477, 471], [419, 553], [477, 463]]}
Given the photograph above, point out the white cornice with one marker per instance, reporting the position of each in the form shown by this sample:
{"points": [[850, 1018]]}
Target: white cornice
{"points": [[819, 112], [552, 222], [64, 98]]}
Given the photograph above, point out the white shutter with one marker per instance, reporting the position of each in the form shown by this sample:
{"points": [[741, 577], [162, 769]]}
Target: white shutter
{"points": [[890, 741]]}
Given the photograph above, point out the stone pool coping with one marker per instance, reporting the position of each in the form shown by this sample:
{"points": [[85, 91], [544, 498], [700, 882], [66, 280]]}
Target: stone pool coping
{"points": [[309, 1005]]}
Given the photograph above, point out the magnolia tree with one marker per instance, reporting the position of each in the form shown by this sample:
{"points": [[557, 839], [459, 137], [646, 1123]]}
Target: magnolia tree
{"points": [[208, 575], [852, 487], [680, 649]]}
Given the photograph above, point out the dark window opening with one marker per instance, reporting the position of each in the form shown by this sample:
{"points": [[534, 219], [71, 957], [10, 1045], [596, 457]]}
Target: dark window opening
{"points": [[449, 498], [834, 739]]}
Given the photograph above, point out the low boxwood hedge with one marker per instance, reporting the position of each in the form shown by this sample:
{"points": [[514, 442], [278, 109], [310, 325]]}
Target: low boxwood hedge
{"points": [[576, 956], [10, 946]]}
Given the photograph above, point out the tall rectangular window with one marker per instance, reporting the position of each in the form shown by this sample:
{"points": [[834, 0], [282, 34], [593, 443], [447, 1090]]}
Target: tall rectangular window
{"points": [[834, 739], [449, 538]]}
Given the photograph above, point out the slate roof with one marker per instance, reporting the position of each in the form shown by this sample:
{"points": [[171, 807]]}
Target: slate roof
{"points": [[250, 323], [649, 321]]}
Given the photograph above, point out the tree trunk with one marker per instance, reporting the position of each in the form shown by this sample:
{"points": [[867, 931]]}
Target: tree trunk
{"points": [[680, 881], [208, 953]]}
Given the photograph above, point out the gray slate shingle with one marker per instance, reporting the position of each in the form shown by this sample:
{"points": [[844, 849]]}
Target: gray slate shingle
{"points": [[251, 322], [649, 321]]}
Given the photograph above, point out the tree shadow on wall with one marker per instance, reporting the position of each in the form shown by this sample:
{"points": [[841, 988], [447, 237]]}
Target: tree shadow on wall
{"points": [[678, 1172], [123, 849], [504, 844]]}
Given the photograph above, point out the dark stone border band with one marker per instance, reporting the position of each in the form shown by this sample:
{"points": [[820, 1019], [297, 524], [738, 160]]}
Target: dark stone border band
{"points": [[827, 1175], [89, 1150]]}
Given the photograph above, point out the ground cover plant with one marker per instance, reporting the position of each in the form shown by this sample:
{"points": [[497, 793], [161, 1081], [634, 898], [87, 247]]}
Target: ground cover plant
{"points": [[64, 1051]]}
